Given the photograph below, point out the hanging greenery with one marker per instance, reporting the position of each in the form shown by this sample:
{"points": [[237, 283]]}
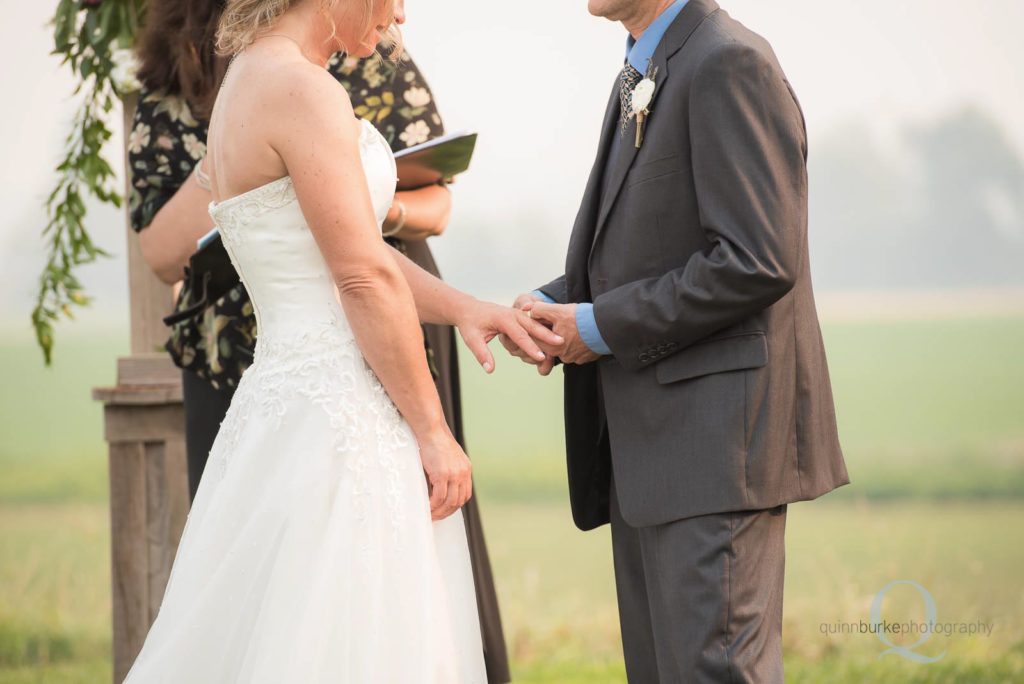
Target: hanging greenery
{"points": [[94, 38]]}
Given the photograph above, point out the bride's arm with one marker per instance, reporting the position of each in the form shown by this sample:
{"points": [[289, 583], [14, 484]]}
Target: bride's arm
{"points": [[478, 322], [317, 136]]}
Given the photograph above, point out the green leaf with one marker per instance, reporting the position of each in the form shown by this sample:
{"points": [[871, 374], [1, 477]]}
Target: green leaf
{"points": [[64, 25], [107, 11], [92, 27]]}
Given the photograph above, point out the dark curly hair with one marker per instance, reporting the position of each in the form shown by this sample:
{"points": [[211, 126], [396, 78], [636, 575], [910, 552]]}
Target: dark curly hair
{"points": [[176, 51]]}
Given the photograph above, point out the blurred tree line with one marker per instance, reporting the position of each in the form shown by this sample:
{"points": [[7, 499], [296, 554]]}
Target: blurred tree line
{"points": [[940, 205]]}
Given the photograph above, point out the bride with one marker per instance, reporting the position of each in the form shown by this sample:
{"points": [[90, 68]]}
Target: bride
{"points": [[325, 542]]}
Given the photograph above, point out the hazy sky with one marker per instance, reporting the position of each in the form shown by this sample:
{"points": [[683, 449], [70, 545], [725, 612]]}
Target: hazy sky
{"points": [[532, 77]]}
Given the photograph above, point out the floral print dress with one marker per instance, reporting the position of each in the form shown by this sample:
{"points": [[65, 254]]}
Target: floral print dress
{"points": [[166, 142]]}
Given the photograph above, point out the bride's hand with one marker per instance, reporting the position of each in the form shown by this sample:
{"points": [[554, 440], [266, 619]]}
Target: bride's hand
{"points": [[480, 322], [449, 473]]}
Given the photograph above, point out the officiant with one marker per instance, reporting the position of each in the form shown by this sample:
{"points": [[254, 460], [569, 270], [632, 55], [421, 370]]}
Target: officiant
{"points": [[181, 73]]}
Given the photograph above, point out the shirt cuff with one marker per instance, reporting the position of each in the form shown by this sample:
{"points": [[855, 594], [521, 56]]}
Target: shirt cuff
{"points": [[540, 295], [587, 325]]}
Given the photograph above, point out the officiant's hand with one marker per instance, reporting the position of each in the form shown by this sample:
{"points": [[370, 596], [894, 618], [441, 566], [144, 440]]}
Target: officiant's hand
{"points": [[562, 319], [481, 322]]}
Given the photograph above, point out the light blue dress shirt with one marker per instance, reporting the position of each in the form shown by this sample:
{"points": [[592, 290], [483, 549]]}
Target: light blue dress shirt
{"points": [[586, 324], [638, 53]]}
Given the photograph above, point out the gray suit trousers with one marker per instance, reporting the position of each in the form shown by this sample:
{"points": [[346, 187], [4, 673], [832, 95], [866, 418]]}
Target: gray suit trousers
{"points": [[700, 599]]}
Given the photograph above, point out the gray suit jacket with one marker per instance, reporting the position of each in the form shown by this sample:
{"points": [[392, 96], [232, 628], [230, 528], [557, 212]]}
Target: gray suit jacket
{"points": [[717, 396]]}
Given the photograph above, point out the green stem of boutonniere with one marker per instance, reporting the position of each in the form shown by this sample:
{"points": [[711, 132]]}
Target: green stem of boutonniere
{"points": [[642, 96]]}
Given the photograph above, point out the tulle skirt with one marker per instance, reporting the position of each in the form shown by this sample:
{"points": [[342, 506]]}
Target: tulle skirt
{"points": [[309, 554]]}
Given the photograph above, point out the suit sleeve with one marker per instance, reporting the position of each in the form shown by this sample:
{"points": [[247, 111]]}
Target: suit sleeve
{"points": [[749, 168], [556, 290]]}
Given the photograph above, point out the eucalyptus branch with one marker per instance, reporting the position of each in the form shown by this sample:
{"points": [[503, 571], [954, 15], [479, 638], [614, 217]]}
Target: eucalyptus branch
{"points": [[93, 37]]}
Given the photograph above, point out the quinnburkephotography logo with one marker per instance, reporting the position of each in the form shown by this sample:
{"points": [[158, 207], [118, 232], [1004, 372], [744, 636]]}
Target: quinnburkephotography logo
{"points": [[892, 633]]}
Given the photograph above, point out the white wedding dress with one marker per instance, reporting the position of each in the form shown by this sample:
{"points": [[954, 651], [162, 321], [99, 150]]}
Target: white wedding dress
{"points": [[309, 554]]}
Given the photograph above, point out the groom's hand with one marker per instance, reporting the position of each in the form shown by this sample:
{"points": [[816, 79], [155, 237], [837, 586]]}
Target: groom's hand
{"points": [[562, 319], [523, 303]]}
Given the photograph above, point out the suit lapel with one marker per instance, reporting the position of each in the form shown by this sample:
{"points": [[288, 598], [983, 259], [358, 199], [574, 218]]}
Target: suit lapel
{"points": [[627, 148], [684, 25], [609, 128], [583, 230]]}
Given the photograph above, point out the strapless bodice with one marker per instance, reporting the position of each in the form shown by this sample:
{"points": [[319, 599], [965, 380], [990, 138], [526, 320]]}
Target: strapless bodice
{"points": [[270, 244]]}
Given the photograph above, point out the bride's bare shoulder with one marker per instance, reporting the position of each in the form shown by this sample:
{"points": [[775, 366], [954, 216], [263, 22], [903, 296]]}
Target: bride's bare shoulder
{"points": [[300, 92]]}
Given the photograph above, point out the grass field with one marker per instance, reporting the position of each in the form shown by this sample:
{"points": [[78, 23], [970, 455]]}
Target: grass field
{"points": [[926, 409], [931, 420]]}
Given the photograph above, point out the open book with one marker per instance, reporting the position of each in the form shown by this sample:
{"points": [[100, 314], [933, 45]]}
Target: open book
{"points": [[434, 161]]}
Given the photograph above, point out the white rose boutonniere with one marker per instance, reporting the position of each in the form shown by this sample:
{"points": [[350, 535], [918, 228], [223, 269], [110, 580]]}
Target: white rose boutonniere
{"points": [[642, 96]]}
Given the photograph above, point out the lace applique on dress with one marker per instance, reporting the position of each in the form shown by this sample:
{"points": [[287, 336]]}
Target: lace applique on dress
{"points": [[237, 211], [326, 369]]}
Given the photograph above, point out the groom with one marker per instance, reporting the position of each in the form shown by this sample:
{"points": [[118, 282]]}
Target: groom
{"points": [[697, 396]]}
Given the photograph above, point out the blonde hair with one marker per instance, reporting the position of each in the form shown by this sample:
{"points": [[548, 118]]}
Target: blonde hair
{"points": [[244, 20]]}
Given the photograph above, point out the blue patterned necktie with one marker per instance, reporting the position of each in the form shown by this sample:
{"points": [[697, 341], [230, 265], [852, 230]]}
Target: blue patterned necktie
{"points": [[628, 80]]}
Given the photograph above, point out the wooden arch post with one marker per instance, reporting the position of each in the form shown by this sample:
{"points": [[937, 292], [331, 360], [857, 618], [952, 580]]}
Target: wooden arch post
{"points": [[144, 426]]}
